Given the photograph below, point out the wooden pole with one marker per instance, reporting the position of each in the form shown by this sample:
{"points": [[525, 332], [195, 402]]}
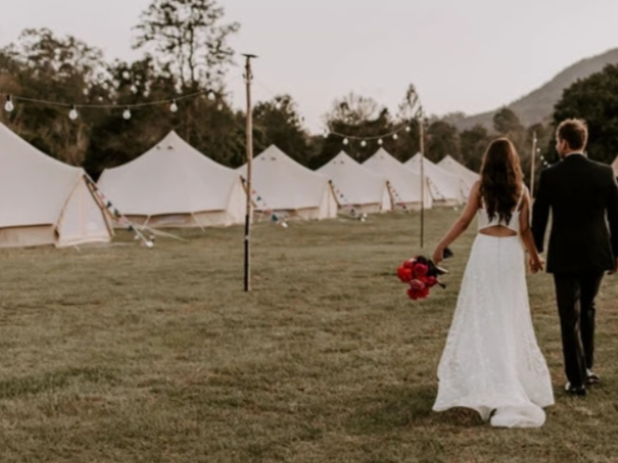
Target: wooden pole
{"points": [[421, 125], [249, 135], [532, 165]]}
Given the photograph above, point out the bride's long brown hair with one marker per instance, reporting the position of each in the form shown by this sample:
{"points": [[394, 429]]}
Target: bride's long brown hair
{"points": [[501, 179]]}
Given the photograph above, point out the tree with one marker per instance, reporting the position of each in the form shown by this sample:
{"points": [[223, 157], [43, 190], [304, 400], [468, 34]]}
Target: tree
{"points": [[46, 67], [355, 116], [188, 39], [507, 123], [278, 122], [442, 139], [594, 99], [473, 144]]}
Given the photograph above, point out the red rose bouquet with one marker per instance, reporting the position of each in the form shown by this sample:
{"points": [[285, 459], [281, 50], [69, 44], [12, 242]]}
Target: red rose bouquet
{"points": [[420, 274]]}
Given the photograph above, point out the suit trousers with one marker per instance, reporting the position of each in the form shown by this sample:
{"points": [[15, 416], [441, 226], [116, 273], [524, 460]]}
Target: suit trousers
{"points": [[575, 294]]}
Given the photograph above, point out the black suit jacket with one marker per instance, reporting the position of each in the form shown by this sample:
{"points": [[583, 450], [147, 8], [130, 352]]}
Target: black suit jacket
{"points": [[582, 196]]}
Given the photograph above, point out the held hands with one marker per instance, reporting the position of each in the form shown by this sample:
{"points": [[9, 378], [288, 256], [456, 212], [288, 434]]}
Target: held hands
{"points": [[615, 270], [537, 263]]}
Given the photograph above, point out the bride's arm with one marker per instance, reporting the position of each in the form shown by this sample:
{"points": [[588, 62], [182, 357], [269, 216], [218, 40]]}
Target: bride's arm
{"points": [[536, 263], [461, 224]]}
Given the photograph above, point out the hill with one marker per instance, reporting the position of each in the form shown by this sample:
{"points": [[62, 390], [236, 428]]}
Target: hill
{"points": [[538, 105]]}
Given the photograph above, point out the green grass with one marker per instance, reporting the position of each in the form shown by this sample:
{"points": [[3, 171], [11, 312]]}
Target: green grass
{"points": [[123, 354]]}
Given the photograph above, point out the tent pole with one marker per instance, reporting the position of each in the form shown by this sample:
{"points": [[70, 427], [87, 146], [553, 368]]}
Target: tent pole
{"points": [[248, 79], [422, 149]]}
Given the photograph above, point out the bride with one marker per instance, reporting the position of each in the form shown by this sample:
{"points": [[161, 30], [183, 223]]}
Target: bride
{"points": [[492, 362]]}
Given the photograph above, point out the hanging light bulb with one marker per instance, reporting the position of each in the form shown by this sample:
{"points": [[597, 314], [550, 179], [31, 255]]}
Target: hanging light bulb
{"points": [[220, 106], [134, 89], [146, 93], [408, 129], [278, 106], [325, 134], [363, 143], [86, 92], [212, 96], [345, 141], [380, 142], [126, 75], [395, 137], [9, 106], [73, 114], [126, 114], [174, 107]]}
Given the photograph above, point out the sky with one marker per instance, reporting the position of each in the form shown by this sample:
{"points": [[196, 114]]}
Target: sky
{"points": [[462, 55]]}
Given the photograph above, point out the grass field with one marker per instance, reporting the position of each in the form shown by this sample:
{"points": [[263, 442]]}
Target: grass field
{"points": [[123, 354]]}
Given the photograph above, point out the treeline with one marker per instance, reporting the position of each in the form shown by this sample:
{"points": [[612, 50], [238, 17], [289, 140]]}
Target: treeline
{"points": [[185, 45]]}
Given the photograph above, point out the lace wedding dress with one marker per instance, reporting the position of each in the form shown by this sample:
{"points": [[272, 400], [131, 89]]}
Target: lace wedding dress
{"points": [[492, 362]]}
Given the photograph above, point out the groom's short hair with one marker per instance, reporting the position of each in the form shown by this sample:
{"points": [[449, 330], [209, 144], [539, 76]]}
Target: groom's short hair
{"points": [[574, 132]]}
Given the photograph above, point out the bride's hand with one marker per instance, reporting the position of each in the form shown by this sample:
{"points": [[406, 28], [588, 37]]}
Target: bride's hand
{"points": [[537, 263], [438, 255]]}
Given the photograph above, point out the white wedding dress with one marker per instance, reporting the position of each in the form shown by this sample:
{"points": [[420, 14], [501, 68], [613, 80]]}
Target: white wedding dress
{"points": [[492, 362]]}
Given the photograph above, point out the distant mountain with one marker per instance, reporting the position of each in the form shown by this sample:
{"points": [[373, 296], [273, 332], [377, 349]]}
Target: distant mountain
{"points": [[539, 105]]}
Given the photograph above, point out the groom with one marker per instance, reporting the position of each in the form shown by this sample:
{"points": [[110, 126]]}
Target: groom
{"points": [[582, 196]]}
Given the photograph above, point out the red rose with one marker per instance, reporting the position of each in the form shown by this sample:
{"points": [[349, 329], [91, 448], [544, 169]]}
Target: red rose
{"points": [[416, 295], [431, 281], [404, 274], [412, 294], [420, 270], [417, 285], [409, 264]]}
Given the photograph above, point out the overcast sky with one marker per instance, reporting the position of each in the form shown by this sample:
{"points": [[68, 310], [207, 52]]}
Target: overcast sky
{"points": [[463, 55]]}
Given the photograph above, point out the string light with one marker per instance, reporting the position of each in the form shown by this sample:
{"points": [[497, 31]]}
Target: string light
{"points": [[345, 141], [325, 134], [363, 143], [126, 114], [9, 107], [11, 100], [408, 129], [380, 142], [395, 136]]}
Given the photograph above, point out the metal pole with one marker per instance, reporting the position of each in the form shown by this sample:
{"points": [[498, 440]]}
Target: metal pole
{"points": [[422, 149], [248, 80], [532, 166]]}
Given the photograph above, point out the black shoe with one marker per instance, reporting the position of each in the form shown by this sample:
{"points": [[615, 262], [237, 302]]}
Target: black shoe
{"points": [[591, 378], [577, 391]]}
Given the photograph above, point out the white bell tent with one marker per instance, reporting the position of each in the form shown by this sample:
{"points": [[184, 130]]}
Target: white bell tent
{"points": [[45, 202], [174, 185], [468, 176], [404, 183], [282, 186], [446, 189], [356, 187]]}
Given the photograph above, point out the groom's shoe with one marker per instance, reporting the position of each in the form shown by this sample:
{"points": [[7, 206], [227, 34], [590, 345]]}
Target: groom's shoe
{"points": [[578, 391], [591, 378]]}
